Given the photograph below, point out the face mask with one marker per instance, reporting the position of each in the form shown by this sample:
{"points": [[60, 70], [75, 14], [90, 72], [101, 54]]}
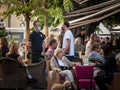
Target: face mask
{"points": [[39, 28]]}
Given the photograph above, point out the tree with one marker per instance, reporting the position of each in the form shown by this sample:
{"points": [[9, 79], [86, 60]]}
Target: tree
{"points": [[22, 7], [44, 9], [53, 12]]}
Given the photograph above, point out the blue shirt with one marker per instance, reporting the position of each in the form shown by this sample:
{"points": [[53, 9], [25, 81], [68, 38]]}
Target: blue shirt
{"points": [[36, 39], [96, 55]]}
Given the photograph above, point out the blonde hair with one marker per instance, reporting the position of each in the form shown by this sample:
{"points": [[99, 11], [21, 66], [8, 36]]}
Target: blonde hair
{"points": [[92, 37], [4, 41], [78, 41], [14, 48], [57, 51]]}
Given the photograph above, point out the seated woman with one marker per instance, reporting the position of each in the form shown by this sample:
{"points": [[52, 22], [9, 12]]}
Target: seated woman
{"points": [[58, 61], [108, 68], [13, 52], [95, 55]]}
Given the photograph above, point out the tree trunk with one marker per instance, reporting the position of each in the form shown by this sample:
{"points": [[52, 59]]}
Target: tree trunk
{"points": [[46, 27], [27, 31], [46, 30], [46, 19]]}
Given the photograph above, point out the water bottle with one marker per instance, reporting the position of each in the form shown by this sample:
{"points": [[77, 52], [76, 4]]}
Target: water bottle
{"points": [[85, 60]]}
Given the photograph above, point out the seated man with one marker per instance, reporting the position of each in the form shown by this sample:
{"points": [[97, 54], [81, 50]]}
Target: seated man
{"points": [[95, 55], [52, 47]]}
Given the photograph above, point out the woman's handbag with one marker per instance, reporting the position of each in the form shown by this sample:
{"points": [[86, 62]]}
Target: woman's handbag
{"points": [[63, 67]]}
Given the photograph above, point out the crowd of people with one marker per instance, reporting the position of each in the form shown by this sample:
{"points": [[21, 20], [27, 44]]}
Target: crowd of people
{"points": [[103, 53]]}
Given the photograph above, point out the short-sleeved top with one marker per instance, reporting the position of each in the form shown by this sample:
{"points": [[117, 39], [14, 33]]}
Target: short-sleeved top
{"points": [[69, 35], [36, 39], [50, 52], [14, 56]]}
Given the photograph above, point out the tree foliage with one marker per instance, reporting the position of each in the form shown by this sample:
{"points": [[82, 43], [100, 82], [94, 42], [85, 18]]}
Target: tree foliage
{"points": [[47, 11], [53, 9]]}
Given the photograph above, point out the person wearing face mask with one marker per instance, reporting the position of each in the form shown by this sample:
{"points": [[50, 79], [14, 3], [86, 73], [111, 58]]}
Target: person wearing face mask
{"points": [[37, 43]]}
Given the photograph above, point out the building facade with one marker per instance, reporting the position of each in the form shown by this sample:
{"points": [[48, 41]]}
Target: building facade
{"points": [[13, 24]]}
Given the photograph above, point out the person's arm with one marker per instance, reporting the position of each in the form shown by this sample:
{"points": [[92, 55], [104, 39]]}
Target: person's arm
{"points": [[20, 59], [69, 62], [67, 48], [0, 46], [53, 65], [30, 37], [43, 46]]}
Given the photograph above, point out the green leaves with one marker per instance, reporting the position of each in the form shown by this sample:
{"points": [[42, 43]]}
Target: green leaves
{"points": [[52, 9], [57, 15], [2, 32], [68, 6]]}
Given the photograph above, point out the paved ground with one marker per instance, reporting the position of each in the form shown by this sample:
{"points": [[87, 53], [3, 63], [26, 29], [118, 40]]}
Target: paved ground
{"points": [[34, 89], [46, 89]]}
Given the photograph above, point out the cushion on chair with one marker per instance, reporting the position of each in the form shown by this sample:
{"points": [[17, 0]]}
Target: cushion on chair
{"points": [[84, 72], [85, 83]]}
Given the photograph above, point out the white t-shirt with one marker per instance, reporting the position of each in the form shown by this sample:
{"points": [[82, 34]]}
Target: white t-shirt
{"points": [[69, 35]]}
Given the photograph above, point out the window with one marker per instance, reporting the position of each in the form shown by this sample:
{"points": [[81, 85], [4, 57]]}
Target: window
{"points": [[1, 23]]}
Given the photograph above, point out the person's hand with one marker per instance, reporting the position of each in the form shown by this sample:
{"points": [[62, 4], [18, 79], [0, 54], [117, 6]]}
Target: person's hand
{"points": [[43, 53], [58, 70], [92, 64], [77, 63]]}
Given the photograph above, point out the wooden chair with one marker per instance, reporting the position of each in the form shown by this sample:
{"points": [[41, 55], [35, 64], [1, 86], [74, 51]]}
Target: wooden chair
{"points": [[37, 70], [12, 74], [116, 81], [53, 77]]}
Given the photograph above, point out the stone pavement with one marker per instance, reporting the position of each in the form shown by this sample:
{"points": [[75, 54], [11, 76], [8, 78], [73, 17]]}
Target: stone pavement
{"points": [[29, 88], [46, 89]]}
